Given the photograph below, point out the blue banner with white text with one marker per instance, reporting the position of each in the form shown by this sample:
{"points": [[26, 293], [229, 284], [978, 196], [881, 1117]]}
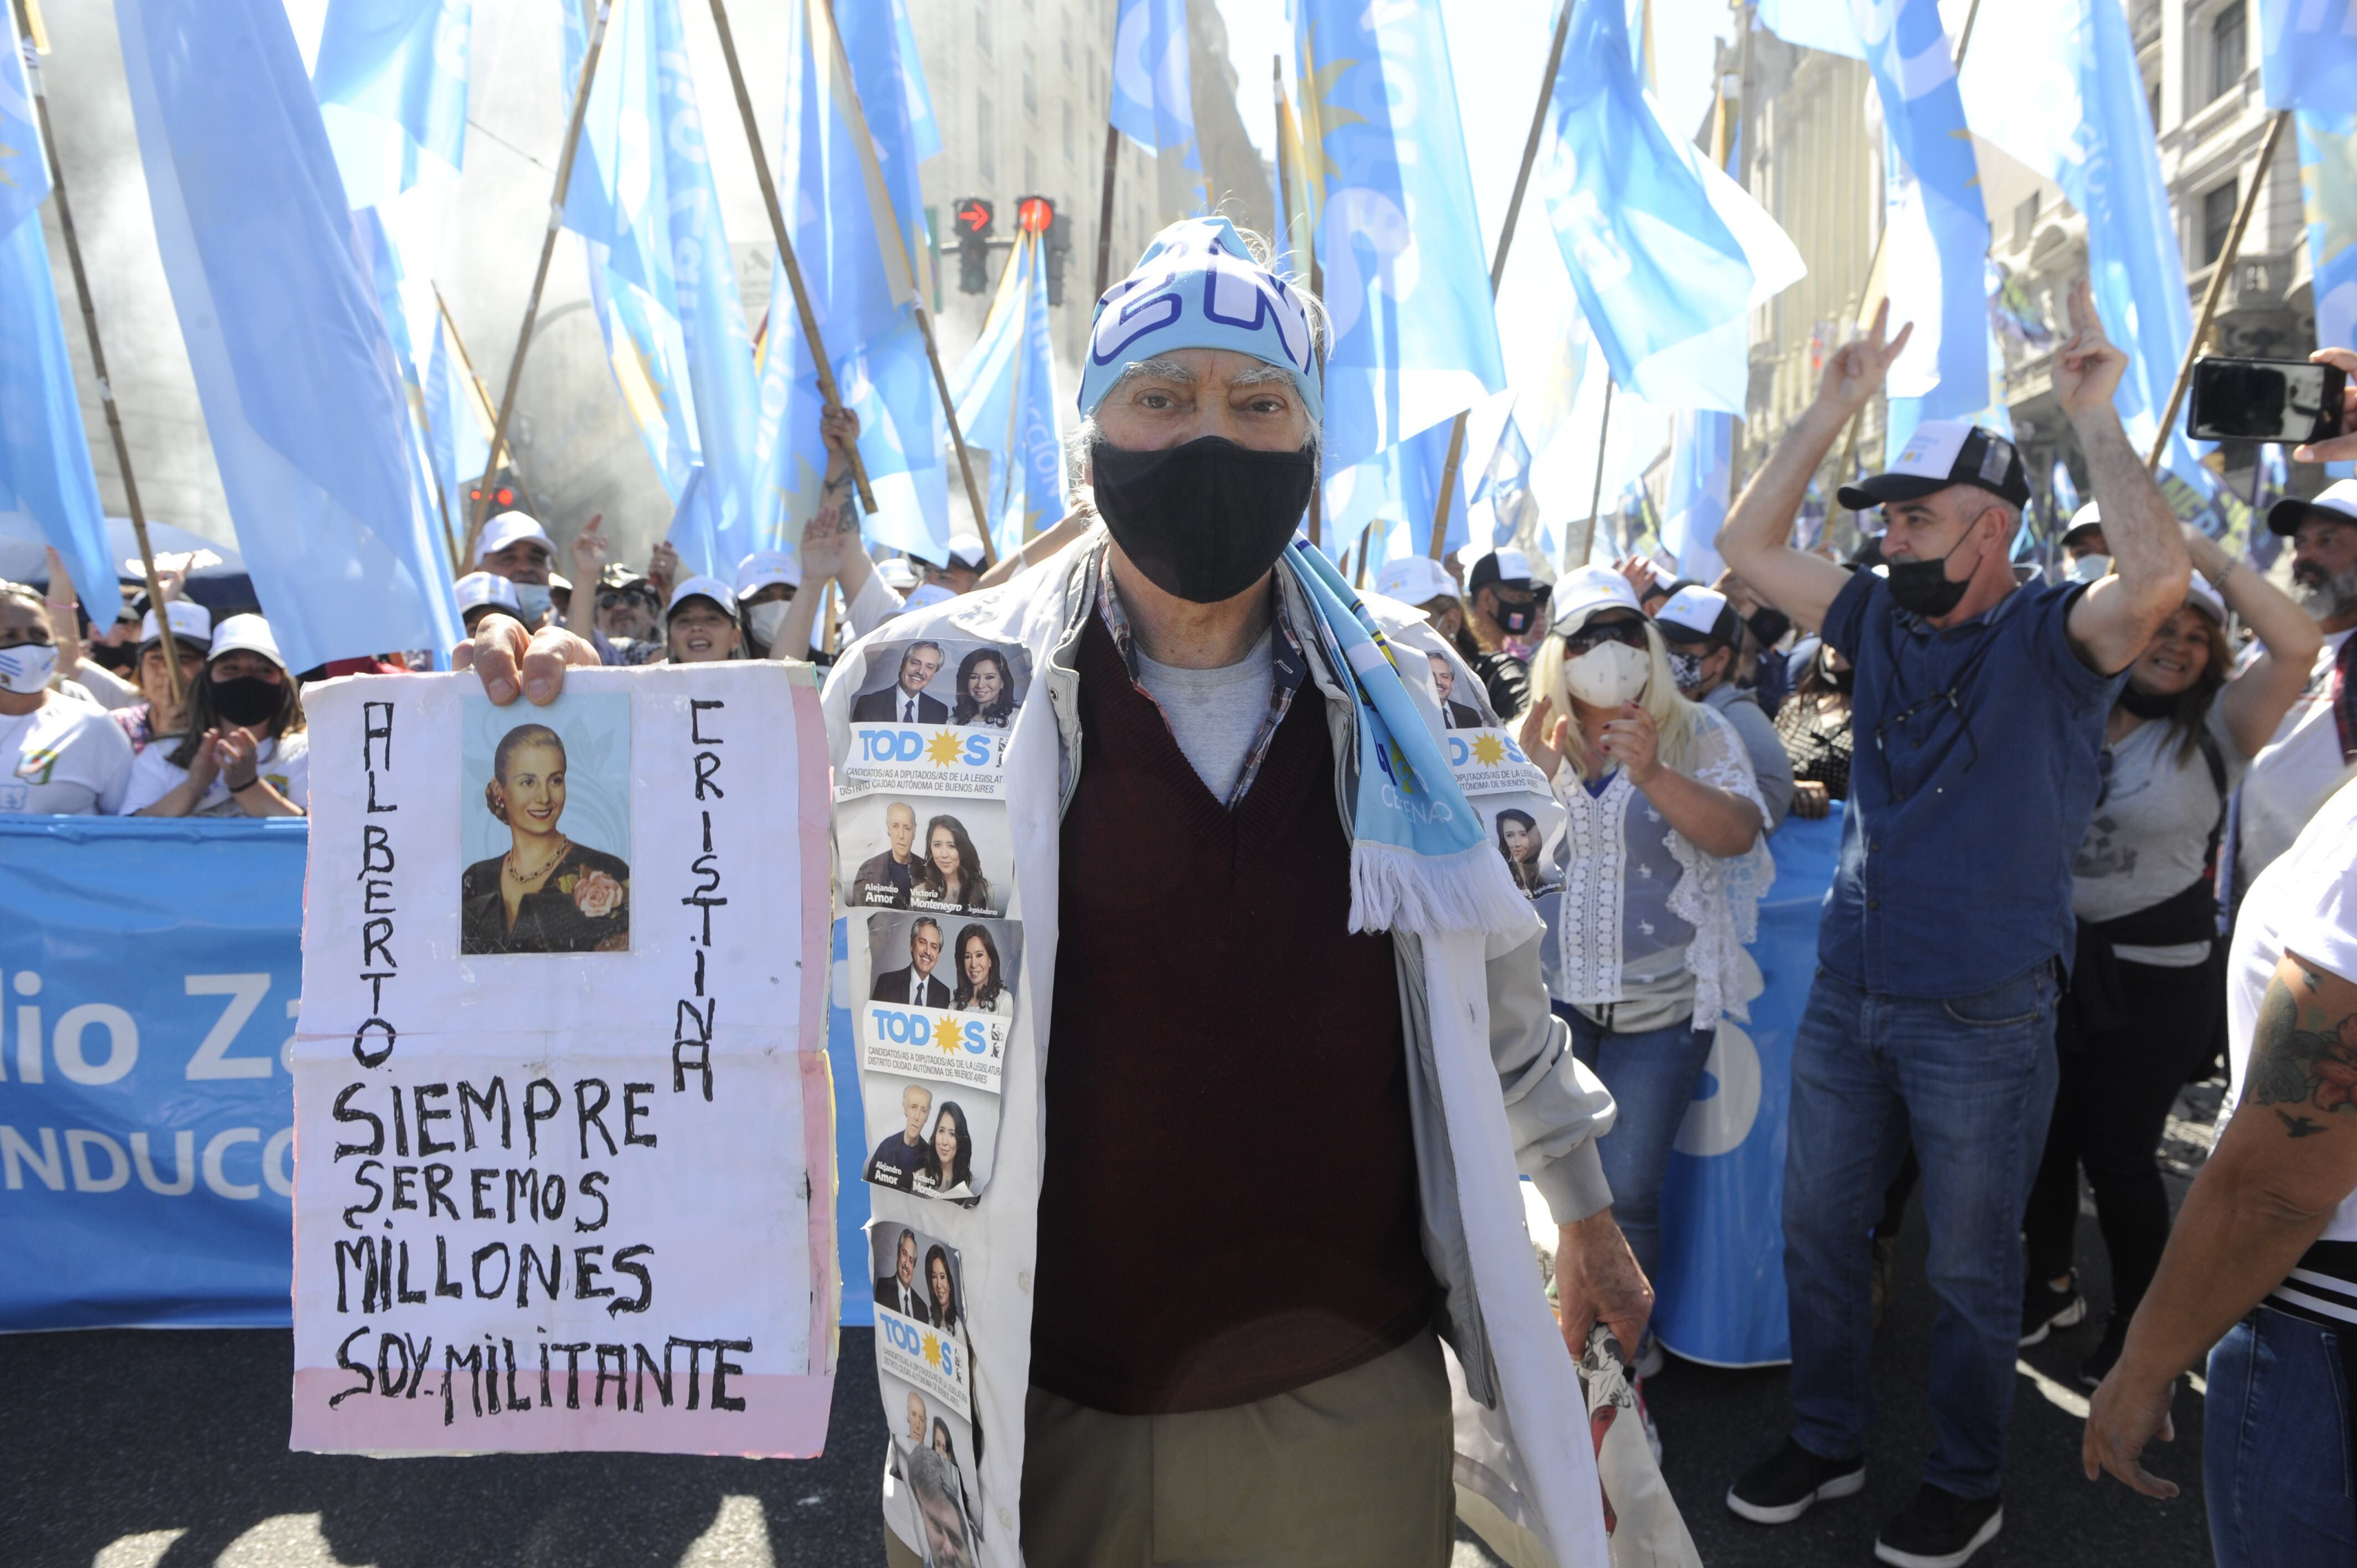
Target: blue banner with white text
{"points": [[1721, 1283], [147, 1116]]}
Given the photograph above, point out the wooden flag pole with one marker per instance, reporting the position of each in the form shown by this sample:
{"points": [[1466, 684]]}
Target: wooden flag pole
{"points": [[932, 348], [481, 508], [97, 369], [482, 396], [2210, 296], [1497, 264], [1596, 495], [827, 390]]}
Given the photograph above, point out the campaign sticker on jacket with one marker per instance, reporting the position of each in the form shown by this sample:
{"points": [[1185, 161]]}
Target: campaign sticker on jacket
{"points": [[941, 997], [931, 1491], [1491, 761], [561, 1096], [939, 724], [901, 852], [920, 1328]]}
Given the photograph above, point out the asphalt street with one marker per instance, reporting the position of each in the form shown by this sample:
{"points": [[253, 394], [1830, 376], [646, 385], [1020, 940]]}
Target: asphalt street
{"points": [[168, 1450]]}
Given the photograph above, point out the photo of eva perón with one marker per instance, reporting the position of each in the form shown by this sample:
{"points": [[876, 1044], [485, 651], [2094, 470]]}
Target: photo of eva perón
{"points": [[910, 851], [544, 826]]}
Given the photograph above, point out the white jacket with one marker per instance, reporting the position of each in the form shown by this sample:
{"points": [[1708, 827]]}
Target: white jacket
{"points": [[1494, 1090]]}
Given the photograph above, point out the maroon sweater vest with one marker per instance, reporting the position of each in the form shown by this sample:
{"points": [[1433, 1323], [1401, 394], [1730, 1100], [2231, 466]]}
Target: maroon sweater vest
{"points": [[1228, 1208]]}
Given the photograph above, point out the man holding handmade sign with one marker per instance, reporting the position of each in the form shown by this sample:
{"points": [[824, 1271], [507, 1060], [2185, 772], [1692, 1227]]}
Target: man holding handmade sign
{"points": [[1271, 1037], [561, 1095]]}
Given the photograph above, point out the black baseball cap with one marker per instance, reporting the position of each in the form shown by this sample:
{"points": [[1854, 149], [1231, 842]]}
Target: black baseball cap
{"points": [[1944, 452], [1696, 615], [1504, 566]]}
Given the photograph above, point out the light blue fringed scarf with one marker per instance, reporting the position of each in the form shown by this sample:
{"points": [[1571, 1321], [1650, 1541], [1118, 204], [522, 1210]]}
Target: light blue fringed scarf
{"points": [[1421, 860]]}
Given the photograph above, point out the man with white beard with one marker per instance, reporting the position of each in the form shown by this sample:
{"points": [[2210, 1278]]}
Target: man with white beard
{"points": [[2317, 742]]}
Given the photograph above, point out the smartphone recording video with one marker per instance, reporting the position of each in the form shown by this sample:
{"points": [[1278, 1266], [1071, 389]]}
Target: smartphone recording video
{"points": [[2284, 401]]}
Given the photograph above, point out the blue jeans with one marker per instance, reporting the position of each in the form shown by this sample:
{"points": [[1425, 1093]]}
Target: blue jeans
{"points": [[2276, 1445], [1651, 1075], [1971, 1080]]}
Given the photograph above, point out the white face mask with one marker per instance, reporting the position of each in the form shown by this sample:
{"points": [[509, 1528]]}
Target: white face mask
{"points": [[27, 667], [2091, 568], [1608, 674], [767, 620]]}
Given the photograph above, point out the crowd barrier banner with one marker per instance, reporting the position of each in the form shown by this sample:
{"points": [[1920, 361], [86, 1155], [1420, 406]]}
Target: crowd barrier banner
{"points": [[149, 974], [1720, 1287]]}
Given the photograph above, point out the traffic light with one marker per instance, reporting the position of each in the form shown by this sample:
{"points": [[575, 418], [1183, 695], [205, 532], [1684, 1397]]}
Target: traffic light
{"points": [[1034, 213], [503, 492], [975, 219]]}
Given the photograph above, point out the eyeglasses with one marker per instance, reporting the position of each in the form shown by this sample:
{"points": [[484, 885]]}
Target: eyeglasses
{"points": [[1594, 634], [1936, 699]]}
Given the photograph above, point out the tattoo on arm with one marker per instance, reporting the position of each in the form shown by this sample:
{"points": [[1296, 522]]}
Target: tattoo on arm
{"points": [[2301, 1056]]}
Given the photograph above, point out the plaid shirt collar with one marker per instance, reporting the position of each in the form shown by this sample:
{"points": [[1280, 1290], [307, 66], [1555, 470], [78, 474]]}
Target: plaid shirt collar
{"points": [[1288, 671]]}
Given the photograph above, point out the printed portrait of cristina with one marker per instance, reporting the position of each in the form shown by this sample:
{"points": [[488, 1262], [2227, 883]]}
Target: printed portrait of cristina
{"points": [[546, 894]]}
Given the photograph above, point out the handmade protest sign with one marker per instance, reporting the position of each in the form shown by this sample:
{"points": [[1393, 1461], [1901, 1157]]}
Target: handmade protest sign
{"points": [[563, 1134]]}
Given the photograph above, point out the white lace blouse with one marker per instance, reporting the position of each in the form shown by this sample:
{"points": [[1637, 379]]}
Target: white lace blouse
{"points": [[1617, 930]]}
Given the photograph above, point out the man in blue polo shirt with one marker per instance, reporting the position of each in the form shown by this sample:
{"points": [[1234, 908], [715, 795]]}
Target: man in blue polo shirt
{"points": [[1979, 707]]}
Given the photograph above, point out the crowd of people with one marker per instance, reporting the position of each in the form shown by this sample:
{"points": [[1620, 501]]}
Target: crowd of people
{"points": [[2091, 851]]}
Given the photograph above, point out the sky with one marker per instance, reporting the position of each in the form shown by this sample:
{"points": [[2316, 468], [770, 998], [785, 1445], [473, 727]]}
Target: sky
{"points": [[1497, 51]]}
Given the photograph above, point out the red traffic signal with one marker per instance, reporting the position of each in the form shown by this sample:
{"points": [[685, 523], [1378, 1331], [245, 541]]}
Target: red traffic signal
{"points": [[503, 496], [1034, 213], [975, 218]]}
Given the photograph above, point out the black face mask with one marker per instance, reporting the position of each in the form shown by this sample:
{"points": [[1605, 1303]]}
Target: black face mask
{"points": [[1921, 587], [247, 700], [1205, 521], [1516, 615], [2146, 704]]}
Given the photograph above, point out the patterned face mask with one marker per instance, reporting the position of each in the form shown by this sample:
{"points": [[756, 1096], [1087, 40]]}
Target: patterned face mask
{"points": [[1686, 669]]}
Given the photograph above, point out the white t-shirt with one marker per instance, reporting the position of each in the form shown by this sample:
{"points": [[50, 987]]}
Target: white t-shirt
{"points": [[285, 763], [60, 761], [2307, 902], [2296, 768]]}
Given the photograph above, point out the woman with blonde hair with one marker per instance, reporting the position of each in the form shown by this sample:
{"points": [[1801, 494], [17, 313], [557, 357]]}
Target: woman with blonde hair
{"points": [[1661, 870]]}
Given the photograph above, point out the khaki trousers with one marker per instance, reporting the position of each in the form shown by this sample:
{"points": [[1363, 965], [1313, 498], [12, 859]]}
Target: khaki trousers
{"points": [[1352, 1471]]}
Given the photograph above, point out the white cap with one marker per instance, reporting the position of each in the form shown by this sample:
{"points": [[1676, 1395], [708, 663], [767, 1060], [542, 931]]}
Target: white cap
{"points": [[1584, 590], [248, 634], [1506, 564], [1696, 614], [899, 573], [559, 583], [2202, 597], [1414, 580], [487, 588], [763, 567], [192, 622], [507, 528], [2286, 516], [711, 588], [930, 594], [965, 551], [2088, 516]]}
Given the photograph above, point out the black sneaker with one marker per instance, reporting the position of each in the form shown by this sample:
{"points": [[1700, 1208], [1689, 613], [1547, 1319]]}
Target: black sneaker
{"points": [[2107, 1353], [2045, 1309], [1779, 1491], [1939, 1529]]}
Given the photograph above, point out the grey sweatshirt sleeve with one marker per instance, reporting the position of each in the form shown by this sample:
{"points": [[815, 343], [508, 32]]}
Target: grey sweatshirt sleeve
{"points": [[1771, 764], [1556, 1107]]}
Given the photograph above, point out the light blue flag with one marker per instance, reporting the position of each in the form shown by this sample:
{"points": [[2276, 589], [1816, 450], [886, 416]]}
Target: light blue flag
{"points": [[23, 159], [391, 76], [2328, 178], [2066, 96], [456, 443], [301, 396], [1702, 472], [1153, 100], [44, 458], [1397, 491], [2308, 54], [1414, 336], [924, 131], [2065, 493], [641, 194], [1039, 463], [848, 183], [1507, 478], [891, 91], [1935, 252], [1006, 403], [1667, 254]]}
